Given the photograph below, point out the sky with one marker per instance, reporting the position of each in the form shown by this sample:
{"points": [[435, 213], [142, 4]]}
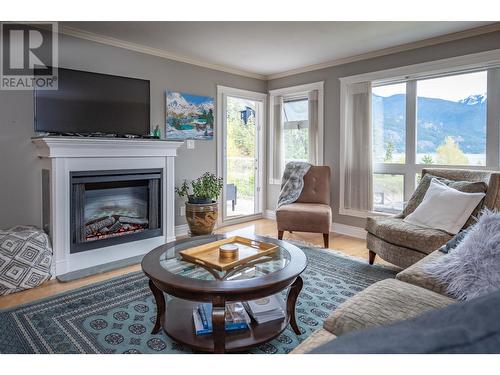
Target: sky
{"points": [[196, 99], [296, 110], [452, 88]]}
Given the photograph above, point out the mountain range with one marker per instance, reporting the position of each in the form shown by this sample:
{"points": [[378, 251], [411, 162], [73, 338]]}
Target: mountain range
{"points": [[178, 106], [464, 120]]}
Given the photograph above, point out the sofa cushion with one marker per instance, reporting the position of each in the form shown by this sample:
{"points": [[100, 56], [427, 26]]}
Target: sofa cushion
{"points": [[317, 338], [382, 303], [398, 232], [304, 217], [463, 186], [417, 275]]}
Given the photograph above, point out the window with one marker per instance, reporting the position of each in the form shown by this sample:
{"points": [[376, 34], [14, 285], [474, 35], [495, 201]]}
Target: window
{"points": [[439, 114], [388, 191], [295, 130], [445, 120], [295, 127], [451, 120], [389, 123]]}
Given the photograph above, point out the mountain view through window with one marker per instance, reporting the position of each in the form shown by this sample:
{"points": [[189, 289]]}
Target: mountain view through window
{"points": [[451, 121], [450, 127]]}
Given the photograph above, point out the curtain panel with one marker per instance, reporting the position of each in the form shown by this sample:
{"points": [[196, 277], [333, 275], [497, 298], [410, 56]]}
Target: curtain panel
{"points": [[278, 138], [358, 183], [313, 114]]}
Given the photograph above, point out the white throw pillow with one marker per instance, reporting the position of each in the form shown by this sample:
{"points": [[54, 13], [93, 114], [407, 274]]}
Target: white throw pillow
{"points": [[444, 208]]}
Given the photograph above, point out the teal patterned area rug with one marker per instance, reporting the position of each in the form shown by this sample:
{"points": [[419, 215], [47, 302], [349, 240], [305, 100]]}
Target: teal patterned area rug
{"points": [[116, 316]]}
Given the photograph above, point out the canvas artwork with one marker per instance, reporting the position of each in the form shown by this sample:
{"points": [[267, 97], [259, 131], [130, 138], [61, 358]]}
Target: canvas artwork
{"points": [[189, 116]]}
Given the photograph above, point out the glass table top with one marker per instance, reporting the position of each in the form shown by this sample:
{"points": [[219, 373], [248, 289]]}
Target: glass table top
{"points": [[172, 261]]}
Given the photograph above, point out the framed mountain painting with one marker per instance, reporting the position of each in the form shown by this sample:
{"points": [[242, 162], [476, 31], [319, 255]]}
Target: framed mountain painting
{"points": [[189, 116]]}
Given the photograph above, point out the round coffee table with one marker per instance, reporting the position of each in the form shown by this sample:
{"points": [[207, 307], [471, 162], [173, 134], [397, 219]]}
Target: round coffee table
{"points": [[187, 284]]}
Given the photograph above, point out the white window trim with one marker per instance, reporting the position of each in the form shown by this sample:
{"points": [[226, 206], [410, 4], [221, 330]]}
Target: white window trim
{"points": [[291, 93], [450, 66], [222, 93]]}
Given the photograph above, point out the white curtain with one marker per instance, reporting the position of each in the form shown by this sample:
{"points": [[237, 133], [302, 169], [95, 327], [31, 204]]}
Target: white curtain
{"points": [[358, 184], [312, 99], [278, 138]]}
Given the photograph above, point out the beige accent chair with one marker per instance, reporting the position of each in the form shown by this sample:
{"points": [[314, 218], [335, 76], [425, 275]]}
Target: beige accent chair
{"points": [[404, 244], [311, 212]]}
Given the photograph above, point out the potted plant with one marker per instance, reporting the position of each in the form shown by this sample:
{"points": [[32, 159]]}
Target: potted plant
{"points": [[201, 206]]}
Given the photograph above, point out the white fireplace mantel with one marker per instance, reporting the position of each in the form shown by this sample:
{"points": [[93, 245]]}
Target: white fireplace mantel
{"points": [[80, 147], [62, 155]]}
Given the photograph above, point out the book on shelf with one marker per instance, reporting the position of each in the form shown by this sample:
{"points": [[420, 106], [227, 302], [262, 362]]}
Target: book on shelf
{"points": [[236, 318], [266, 309]]}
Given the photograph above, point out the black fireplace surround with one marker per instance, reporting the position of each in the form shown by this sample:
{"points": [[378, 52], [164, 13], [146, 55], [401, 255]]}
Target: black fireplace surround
{"points": [[114, 207]]}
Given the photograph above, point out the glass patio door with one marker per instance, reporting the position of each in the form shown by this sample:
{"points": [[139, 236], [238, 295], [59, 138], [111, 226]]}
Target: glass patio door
{"points": [[242, 151]]}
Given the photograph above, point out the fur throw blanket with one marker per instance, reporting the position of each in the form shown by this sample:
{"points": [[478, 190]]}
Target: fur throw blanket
{"points": [[472, 269], [292, 182]]}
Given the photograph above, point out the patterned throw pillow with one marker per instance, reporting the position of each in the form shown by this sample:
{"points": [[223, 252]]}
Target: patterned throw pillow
{"points": [[464, 186]]}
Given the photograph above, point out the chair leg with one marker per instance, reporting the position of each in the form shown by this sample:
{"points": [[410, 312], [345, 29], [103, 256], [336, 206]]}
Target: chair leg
{"points": [[371, 256], [326, 240], [280, 234]]}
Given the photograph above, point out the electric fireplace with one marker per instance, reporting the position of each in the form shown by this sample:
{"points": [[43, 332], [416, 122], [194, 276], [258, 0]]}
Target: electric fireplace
{"points": [[113, 207]]}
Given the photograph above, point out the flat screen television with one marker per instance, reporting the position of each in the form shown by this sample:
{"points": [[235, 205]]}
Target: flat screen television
{"points": [[87, 102]]}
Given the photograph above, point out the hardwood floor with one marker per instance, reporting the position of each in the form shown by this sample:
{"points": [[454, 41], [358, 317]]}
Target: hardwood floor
{"points": [[348, 245]]}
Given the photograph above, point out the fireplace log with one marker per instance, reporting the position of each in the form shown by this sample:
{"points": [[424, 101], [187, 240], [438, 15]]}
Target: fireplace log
{"points": [[133, 220], [115, 227], [99, 224]]}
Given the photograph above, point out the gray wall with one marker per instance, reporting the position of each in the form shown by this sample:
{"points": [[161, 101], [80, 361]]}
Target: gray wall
{"points": [[332, 98], [20, 180]]}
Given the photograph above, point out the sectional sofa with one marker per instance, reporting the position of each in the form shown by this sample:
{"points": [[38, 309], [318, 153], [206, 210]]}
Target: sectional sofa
{"points": [[412, 293]]}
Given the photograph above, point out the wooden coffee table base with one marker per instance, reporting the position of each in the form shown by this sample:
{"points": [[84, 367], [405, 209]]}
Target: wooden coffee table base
{"points": [[176, 318], [181, 330]]}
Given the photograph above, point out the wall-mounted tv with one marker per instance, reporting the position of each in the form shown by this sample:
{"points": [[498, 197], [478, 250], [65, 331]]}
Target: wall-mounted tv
{"points": [[87, 103]]}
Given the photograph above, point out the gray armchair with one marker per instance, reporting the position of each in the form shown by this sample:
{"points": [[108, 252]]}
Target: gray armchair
{"points": [[402, 243]]}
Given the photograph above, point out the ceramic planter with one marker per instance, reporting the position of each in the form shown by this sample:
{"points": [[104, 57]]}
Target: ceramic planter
{"points": [[201, 218]]}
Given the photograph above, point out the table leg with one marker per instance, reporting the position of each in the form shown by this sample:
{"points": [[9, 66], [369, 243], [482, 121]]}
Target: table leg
{"points": [[291, 299], [218, 324], [160, 306]]}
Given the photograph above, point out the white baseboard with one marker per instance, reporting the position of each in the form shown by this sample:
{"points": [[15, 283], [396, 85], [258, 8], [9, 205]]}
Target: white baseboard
{"points": [[181, 230], [346, 230], [270, 214]]}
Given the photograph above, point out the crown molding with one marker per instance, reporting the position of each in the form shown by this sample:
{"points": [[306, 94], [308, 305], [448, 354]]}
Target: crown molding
{"points": [[82, 34], [391, 50]]}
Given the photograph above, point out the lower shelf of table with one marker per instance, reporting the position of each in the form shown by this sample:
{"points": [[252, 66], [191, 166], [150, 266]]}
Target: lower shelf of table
{"points": [[178, 324]]}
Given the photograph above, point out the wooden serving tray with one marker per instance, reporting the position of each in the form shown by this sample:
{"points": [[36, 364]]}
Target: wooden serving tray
{"points": [[208, 254]]}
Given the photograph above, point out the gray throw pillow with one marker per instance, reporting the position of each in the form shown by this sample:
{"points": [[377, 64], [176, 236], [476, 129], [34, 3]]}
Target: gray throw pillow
{"points": [[472, 268], [453, 243], [464, 186]]}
